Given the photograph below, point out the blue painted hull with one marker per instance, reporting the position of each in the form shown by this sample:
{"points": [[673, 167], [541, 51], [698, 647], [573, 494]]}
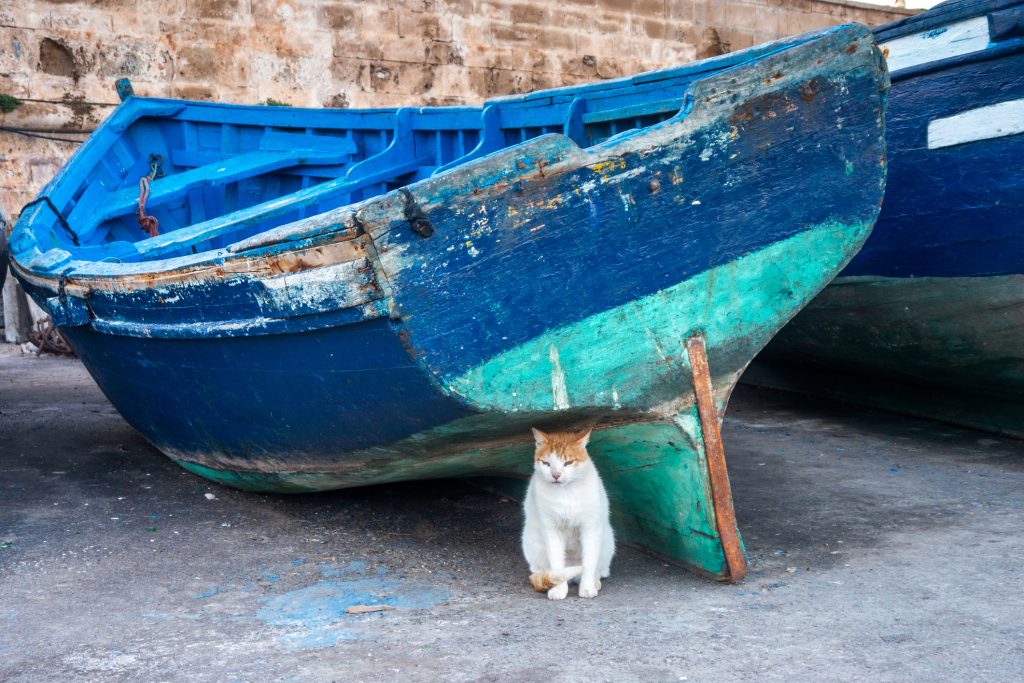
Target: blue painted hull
{"points": [[932, 309], [297, 397], [391, 335]]}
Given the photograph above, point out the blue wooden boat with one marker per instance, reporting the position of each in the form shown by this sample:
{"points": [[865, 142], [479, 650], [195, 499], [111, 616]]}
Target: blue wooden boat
{"points": [[338, 298], [929, 317]]}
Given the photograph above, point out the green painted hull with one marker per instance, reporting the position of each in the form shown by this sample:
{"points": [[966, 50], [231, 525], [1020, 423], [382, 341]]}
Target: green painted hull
{"points": [[944, 348]]}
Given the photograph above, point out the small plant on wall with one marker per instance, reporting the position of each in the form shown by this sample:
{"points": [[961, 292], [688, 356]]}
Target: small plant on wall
{"points": [[8, 103]]}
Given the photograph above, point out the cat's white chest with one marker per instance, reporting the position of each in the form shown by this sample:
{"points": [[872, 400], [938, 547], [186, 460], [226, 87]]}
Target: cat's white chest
{"points": [[568, 511], [568, 506]]}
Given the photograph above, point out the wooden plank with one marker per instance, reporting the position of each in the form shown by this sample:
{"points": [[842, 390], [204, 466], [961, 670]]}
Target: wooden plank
{"points": [[237, 168], [187, 158], [275, 141], [721, 492], [957, 39], [983, 123], [633, 111], [222, 225]]}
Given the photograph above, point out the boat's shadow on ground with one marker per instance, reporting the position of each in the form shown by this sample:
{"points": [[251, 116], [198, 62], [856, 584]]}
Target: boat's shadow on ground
{"points": [[815, 477]]}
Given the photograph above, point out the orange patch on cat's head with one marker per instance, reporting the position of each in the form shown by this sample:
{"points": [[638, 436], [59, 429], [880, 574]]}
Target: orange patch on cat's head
{"points": [[570, 446]]}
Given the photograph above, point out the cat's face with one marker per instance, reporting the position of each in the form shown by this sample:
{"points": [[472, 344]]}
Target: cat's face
{"points": [[560, 457]]}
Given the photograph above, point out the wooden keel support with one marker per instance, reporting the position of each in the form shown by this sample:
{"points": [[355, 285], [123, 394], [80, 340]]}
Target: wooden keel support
{"points": [[725, 515]]}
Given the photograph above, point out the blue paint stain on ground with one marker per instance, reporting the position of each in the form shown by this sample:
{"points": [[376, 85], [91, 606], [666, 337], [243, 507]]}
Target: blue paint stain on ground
{"points": [[314, 616], [330, 569]]}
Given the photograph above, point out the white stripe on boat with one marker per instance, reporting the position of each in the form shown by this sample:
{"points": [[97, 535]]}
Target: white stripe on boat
{"points": [[954, 40], [559, 393], [983, 123]]}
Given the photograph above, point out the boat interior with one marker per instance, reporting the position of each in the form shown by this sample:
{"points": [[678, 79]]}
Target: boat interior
{"points": [[219, 173]]}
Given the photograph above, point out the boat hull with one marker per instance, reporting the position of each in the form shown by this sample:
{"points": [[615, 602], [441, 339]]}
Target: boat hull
{"points": [[927, 319], [288, 412], [419, 334]]}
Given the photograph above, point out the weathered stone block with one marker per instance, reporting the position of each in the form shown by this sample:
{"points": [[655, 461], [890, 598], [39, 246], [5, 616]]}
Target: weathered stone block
{"points": [[377, 16], [793, 22], [425, 26], [198, 63], [710, 13], [530, 14], [646, 8], [749, 17], [340, 17], [364, 46], [514, 34], [217, 9]]}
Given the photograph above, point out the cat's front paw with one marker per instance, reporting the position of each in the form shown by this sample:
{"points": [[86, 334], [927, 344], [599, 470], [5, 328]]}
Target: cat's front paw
{"points": [[558, 592], [590, 589]]}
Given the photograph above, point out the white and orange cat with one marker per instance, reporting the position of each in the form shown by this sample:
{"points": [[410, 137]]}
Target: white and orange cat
{"points": [[567, 533]]}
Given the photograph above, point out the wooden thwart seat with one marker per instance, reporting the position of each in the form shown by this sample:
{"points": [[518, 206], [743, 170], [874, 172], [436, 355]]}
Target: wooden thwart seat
{"points": [[221, 172], [156, 247]]}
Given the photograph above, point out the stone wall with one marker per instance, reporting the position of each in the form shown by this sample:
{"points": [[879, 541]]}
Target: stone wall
{"points": [[61, 57]]}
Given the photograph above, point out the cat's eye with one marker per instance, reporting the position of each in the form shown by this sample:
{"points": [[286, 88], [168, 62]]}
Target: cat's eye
{"points": [[545, 463]]}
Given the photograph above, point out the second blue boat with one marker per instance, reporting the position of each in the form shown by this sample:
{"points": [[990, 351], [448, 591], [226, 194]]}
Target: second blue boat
{"points": [[929, 317]]}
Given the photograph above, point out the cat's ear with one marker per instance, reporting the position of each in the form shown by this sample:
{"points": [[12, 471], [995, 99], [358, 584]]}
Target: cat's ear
{"points": [[540, 437], [584, 439]]}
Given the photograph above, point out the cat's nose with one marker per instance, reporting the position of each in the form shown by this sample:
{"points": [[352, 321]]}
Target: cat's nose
{"points": [[556, 475]]}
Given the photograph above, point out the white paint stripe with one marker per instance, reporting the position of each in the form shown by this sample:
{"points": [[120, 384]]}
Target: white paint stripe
{"points": [[957, 39], [983, 123], [559, 394]]}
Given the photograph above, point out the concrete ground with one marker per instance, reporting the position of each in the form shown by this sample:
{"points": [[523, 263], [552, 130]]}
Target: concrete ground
{"points": [[882, 548]]}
